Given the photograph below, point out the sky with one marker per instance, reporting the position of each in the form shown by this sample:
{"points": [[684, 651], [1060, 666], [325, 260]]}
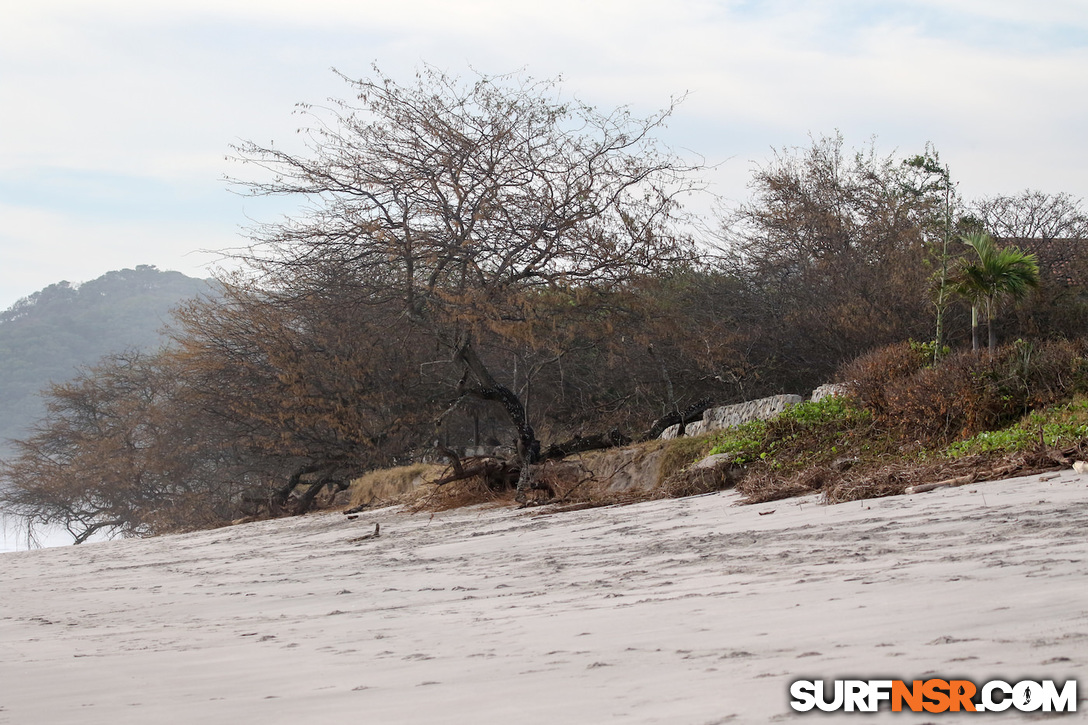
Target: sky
{"points": [[117, 116]]}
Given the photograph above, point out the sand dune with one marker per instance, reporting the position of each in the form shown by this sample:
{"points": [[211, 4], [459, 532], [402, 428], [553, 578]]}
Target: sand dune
{"points": [[684, 611]]}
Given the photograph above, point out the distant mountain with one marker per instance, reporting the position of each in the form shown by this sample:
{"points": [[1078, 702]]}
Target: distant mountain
{"points": [[45, 337]]}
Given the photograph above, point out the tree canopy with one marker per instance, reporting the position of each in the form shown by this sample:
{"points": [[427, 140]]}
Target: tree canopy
{"points": [[444, 194], [449, 202]]}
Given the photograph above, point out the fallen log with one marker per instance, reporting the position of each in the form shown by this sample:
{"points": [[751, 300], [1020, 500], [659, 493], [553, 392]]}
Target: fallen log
{"points": [[368, 537], [962, 480], [958, 481], [689, 415], [496, 472], [580, 444]]}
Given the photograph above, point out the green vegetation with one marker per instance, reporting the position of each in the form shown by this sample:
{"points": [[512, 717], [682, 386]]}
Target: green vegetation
{"points": [[802, 435], [997, 273], [912, 422], [746, 442], [1053, 427], [831, 410]]}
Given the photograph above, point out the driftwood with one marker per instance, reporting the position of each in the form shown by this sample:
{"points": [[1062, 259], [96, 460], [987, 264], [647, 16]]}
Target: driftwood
{"points": [[368, 537], [498, 474], [951, 482], [962, 480], [454, 459], [1062, 457]]}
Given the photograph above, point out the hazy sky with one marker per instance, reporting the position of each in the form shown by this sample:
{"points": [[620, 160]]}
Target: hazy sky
{"points": [[116, 115]]}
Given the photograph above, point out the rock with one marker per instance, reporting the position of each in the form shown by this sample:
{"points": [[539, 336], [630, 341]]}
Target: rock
{"points": [[829, 390], [695, 429], [669, 433], [711, 462], [728, 416], [611, 470], [1080, 467], [712, 473], [741, 413], [840, 465]]}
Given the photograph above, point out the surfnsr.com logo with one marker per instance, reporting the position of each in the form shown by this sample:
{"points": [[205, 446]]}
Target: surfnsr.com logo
{"points": [[933, 695]]}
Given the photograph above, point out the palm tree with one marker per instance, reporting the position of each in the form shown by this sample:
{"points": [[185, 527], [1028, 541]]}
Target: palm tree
{"points": [[996, 274]]}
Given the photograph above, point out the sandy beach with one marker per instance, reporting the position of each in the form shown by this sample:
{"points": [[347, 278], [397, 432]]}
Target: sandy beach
{"points": [[692, 610]]}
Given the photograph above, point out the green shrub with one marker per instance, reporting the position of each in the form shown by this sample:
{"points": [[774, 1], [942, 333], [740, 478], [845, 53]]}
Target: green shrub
{"points": [[744, 441], [1054, 427], [798, 434], [842, 411]]}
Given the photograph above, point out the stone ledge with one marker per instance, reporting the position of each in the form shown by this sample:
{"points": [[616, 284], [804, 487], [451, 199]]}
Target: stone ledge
{"points": [[728, 416], [829, 390]]}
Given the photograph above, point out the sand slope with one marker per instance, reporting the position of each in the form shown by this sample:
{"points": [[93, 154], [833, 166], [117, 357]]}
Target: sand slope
{"points": [[685, 611]]}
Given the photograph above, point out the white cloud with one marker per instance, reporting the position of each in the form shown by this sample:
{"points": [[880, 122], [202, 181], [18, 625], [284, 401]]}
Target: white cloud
{"points": [[159, 90], [1017, 12]]}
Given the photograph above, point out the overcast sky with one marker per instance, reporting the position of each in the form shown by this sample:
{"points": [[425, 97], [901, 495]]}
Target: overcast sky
{"points": [[116, 115]]}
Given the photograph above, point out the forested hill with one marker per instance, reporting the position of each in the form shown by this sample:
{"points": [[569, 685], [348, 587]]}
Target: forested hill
{"points": [[46, 336]]}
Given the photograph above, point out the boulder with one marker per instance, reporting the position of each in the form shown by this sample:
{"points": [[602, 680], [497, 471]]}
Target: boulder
{"points": [[829, 390]]}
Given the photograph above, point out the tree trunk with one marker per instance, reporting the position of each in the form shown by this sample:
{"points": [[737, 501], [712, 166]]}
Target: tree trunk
{"points": [[991, 332], [974, 329], [939, 337], [279, 498], [578, 444], [306, 500], [92, 529], [688, 415], [487, 388]]}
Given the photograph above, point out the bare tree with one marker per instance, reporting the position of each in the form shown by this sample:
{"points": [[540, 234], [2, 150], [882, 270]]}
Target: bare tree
{"points": [[1033, 215], [832, 246], [447, 199], [307, 384], [1053, 228]]}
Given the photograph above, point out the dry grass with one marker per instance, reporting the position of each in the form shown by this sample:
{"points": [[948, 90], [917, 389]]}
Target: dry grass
{"points": [[456, 494], [895, 478], [391, 484], [762, 485], [693, 481]]}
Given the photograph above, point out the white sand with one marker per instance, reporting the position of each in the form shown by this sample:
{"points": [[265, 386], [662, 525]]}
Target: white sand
{"points": [[686, 611]]}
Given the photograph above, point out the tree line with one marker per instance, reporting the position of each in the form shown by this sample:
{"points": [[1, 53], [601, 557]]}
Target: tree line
{"points": [[486, 262]]}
